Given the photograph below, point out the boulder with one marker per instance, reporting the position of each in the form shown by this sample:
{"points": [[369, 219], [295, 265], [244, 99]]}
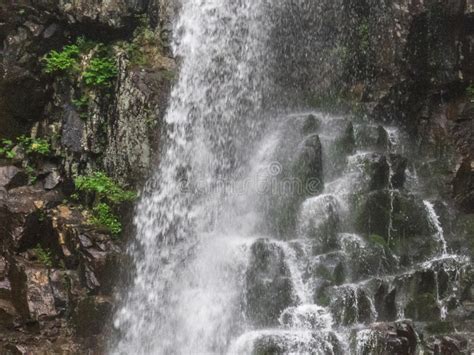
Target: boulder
{"points": [[269, 289], [32, 293], [380, 174], [11, 177], [387, 338], [91, 314], [23, 215], [447, 345]]}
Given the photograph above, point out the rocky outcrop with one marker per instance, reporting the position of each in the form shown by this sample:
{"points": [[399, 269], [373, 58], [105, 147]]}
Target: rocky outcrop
{"points": [[57, 269], [269, 288]]}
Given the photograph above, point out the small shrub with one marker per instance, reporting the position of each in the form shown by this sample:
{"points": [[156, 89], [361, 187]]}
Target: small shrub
{"points": [[43, 256], [34, 145], [82, 105], [63, 61], [104, 187], [104, 217], [100, 72], [107, 193], [6, 149]]}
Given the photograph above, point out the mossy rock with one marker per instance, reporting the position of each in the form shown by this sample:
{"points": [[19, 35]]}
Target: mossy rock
{"points": [[407, 214], [269, 289], [423, 308], [440, 327]]}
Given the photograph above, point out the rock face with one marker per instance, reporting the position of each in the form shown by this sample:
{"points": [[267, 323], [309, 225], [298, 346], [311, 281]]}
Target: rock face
{"points": [[57, 270], [269, 288]]}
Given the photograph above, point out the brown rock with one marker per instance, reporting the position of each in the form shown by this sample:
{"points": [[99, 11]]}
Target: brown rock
{"points": [[32, 293], [91, 315]]}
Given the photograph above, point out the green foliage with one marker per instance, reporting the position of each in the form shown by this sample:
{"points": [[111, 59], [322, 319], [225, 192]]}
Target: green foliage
{"points": [[6, 149], [39, 146], [104, 217], [82, 105], [30, 145], [470, 92], [104, 187], [376, 239], [100, 72], [364, 35], [65, 61], [31, 172], [44, 256], [107, 193]]}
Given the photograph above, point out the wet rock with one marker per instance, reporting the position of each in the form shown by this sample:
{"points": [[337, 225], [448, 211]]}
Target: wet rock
{"points": [[319, 220], [310, 125], [8, 314], [269, 288], [72, 130], [403, 212], [385, 302], [11, 177], [447, 345], [134, 127], [32, 293], [308, 167], [387, 338], [284, 343], [90, 315], [380, 174], [398, 166], [463, 186], [372, 136], [23, 214], [350, 305]]}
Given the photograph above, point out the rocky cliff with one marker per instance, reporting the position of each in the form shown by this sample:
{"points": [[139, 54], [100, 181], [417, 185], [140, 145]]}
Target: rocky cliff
{"points": [[83, 89]]}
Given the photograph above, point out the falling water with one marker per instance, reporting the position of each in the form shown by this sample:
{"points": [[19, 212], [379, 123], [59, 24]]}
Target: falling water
{"points": [[439, 233], [184, 295]]}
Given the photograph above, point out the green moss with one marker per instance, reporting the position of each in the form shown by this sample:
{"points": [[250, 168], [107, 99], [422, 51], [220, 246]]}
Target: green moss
{"points": [[440, 327], [423, 308], [43, 256]]}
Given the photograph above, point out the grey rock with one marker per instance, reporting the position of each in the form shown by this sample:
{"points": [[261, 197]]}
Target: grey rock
{"points": [[269, 289], [11, 177]]}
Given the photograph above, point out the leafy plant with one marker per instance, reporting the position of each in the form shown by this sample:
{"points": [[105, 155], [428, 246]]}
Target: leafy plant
{"points": [[63, 61], [107, 193], [104, 217], [104, 187], [34, 145], [31, 172], [82, 104], [6, 148], [43, 256], [100, 72]]}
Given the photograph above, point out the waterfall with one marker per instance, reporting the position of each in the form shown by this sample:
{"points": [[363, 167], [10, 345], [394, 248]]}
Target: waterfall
{"points": [[267, 228], [184, 296]]}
